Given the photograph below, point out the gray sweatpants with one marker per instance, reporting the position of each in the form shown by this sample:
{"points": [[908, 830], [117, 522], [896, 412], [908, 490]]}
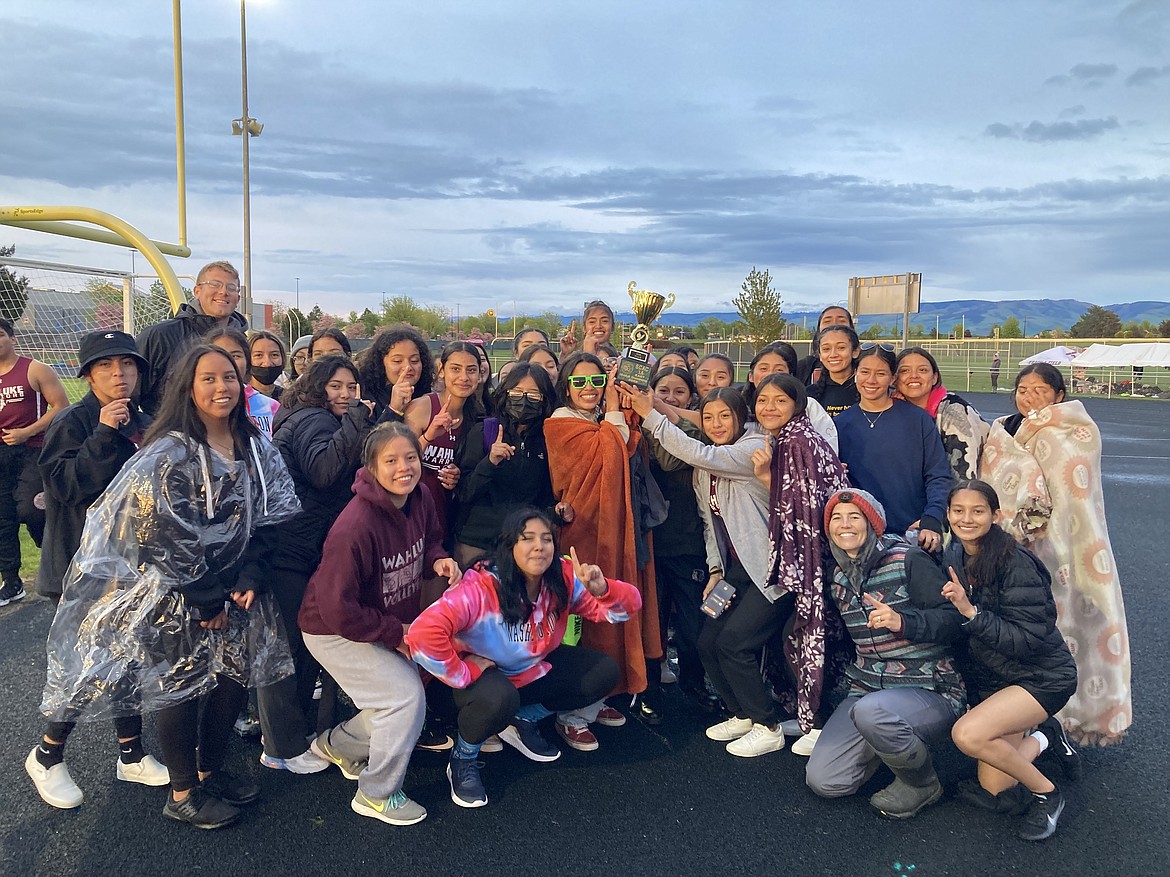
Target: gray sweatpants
{"points": [[863, 728], [386, 687]]}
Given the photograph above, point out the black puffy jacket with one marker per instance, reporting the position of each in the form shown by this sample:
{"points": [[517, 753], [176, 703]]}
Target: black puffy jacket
{"points": [[323, 453], [1013, 638]]}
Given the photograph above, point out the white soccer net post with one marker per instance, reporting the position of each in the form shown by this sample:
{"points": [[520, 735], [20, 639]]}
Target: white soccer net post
{"points": [[52, 305]]}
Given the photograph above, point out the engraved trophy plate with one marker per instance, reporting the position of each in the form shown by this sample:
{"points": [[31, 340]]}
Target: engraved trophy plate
{"points": [[634, 366]]}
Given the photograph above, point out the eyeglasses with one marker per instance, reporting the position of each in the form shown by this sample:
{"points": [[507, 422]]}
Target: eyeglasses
{"points": [[217, 285], [580, 382], [300, 356], [884, 345], [531, 395]]}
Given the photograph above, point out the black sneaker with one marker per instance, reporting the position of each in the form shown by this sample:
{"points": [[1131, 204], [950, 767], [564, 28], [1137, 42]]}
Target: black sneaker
{"points": [[1061, 749], [1039, 822], [231, 789], [11, 592], [525, 737], [705, 700], [434, 741], [648, 708], [466, 786], [200, 810]]}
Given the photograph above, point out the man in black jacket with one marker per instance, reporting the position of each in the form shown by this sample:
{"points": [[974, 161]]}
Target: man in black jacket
{"points": [[85, 448], [216, 293]]}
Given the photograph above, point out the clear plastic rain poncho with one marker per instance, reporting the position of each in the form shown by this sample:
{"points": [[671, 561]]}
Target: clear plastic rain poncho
{"points": [[124, 640]]}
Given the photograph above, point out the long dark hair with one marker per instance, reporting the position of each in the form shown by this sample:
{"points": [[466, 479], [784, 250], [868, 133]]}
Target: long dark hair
{"points": [[309, 389], [510, 584], [683, 374], [177, 413], [734, 400], [782, 349], [1046, 372], [567, 367], [527, 355], [241, 340], [997, 549], [789, 385], [372, 368], [472, 350], [526, 331]]}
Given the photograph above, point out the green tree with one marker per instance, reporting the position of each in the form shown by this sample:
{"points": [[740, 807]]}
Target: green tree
{"points": [[760, 306], [1011, 328], [710, 326], [957, 330], [1164, 329], [13, 290], [156, 301], [315, 316], [877, 330], [1096, 322], [400, 309]]}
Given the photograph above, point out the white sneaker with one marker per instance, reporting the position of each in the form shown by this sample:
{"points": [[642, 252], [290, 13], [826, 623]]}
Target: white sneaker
{"points": [[148, 772], [492, 744], [54, 784], [306, 762], [760, 740], [731, 729], [804, 746]]}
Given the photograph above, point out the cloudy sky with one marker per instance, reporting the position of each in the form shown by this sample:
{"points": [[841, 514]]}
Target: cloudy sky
{"points": [[473, 154]]}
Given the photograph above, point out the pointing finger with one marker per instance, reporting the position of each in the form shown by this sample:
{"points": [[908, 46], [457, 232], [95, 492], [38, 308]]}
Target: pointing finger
{"points": [[500, 435]]}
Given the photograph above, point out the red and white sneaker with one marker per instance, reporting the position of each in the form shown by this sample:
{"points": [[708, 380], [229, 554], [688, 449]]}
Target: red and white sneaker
{"points": [[610, 717], [579, 737]]}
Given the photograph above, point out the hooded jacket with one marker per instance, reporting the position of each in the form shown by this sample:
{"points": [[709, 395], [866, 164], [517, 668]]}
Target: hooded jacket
{"points": [[323, 453], [165, 343], [372, 567], [80, 458]]}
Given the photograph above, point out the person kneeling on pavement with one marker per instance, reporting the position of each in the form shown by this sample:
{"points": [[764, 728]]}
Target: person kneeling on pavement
{"points": [[357, 607], [496, 643], [904, 691]]}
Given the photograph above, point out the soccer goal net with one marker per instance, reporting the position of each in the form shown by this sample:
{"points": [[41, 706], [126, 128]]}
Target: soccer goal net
{"points": [[51, 306]]}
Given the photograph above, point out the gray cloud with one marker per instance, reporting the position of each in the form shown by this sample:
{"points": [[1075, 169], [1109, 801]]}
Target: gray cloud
{"points": [[1072, 112], [1052, 132], [1084, 75], [1146, 75]]}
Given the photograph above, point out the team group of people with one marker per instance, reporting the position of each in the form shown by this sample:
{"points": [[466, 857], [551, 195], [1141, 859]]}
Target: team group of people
{"points": [[840, 551]]}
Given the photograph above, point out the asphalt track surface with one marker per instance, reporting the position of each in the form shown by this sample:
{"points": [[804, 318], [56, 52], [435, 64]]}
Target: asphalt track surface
{"points": [[649, 801]]}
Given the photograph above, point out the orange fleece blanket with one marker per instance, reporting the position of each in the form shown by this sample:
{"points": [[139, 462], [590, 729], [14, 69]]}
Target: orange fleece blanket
{"points": [[589, 464]]}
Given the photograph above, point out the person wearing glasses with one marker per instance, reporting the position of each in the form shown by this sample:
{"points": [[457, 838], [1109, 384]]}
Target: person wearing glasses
{"points": [[1044, 462], [504, 464], [298, 359], [894, 451], [216, 295], [589, 464]]}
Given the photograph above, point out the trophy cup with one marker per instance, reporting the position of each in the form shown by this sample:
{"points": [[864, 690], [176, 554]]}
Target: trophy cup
{"points": [[634, 367]]}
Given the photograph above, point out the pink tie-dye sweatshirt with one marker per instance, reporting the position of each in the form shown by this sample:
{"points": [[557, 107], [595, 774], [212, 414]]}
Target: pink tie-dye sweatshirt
{"points": [[467, 620]]}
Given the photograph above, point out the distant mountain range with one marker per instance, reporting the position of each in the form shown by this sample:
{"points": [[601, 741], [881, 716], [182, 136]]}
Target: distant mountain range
{"points": [[1035, 315]]}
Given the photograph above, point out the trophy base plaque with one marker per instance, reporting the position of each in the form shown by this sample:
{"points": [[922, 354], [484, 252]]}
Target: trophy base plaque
{"points": [[634, 368]]}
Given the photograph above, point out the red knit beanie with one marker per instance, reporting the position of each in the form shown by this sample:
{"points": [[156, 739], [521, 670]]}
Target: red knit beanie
{"points": [[865, 501]]}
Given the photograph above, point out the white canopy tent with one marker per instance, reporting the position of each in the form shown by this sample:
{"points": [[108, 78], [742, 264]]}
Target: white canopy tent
{"points": [[1058, 355], [1142, 354]]}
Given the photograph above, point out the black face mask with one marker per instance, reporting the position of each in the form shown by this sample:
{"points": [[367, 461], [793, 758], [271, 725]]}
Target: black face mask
{"points": [[267, 374], [523, 409]]}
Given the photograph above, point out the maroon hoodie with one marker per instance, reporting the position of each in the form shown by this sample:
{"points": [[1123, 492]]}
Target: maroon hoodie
{"points": [[372, 566]]}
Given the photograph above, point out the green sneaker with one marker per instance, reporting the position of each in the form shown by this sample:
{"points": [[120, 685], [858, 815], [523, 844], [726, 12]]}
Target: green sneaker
{"points": [[350, 769], [395, 810]]}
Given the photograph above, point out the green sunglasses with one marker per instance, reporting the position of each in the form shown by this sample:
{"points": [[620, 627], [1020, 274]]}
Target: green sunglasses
{"points": [[580, 382]]}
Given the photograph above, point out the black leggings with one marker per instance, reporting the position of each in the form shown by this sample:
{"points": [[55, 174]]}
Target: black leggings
{"points": [[200, 723], [578, 677]]}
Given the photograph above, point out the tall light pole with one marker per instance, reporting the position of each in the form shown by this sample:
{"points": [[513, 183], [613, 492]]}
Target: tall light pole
{"points": [[246, 128]]}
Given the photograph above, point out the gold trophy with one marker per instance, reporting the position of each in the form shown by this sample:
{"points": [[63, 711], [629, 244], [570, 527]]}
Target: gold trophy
{"points": [[634, 367]]}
